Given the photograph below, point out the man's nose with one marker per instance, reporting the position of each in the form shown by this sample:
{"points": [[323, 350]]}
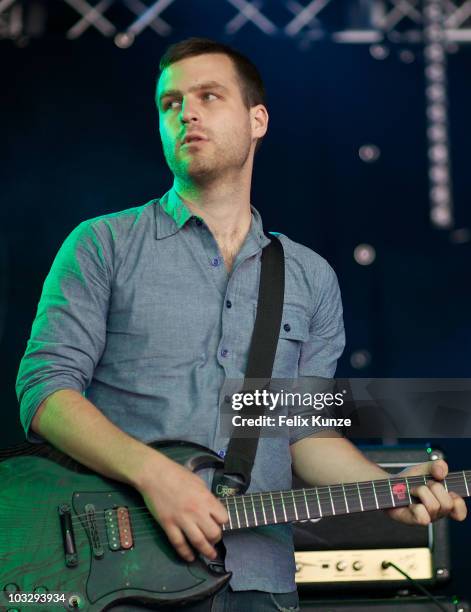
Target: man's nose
{"points": [[189, 112]]}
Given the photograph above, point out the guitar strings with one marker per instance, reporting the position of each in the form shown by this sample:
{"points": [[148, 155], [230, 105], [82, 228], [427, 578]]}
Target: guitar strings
{"points": [[288, 498], [145, 525], [336, 491], [145, 529]]}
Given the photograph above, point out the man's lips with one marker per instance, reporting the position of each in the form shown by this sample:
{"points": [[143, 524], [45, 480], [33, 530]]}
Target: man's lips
{"points": [[193, 139]]}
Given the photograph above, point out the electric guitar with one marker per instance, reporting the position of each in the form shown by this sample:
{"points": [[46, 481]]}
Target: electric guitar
{"points": [[73, 539]]}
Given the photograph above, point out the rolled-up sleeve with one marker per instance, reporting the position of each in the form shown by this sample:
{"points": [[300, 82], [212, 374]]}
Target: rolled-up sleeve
{"points": [[326, 342], [69, 331]]}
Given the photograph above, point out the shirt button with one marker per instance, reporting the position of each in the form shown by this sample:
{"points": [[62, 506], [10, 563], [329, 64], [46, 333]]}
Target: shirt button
{"points": [[222, 452], [227, 399], [224, 353], [229, 303], [198, 222], [215, 262], [287, 327]]}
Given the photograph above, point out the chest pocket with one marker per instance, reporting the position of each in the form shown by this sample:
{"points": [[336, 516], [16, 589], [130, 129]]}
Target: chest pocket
{"points": [[293, 332]]}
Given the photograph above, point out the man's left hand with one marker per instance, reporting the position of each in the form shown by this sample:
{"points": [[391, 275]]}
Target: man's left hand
{"points": [[435, 502]]}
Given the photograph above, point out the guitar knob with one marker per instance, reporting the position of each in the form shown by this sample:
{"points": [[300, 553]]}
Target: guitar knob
{"points": [[75, 602]]}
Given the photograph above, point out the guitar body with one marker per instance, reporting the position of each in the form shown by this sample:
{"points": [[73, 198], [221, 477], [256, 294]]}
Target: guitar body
{"points": [[66, 531], [107, 564]]}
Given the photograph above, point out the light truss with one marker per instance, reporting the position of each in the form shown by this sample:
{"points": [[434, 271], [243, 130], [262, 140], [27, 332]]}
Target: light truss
{"points": [[391, 21], [433, 24]]}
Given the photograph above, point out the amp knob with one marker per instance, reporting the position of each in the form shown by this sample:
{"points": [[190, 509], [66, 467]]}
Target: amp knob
{"points": [[341, 566]]}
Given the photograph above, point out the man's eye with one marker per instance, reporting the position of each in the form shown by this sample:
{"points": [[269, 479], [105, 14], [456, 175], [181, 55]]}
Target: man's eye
{"points": [[172, 104], [208, 95]]}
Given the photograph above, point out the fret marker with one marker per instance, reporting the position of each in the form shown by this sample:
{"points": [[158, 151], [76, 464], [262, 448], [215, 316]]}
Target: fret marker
{"points": [[399, 491]]}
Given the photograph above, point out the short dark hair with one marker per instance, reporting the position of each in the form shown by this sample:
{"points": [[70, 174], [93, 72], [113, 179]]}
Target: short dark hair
{"points": [[250, 80]]}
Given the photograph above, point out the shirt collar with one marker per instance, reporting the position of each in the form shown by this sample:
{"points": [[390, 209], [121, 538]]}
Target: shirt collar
{"points": [[171, 214]]}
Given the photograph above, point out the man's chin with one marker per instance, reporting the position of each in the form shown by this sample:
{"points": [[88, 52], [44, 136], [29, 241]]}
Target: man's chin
{"points": [[199, 170]]}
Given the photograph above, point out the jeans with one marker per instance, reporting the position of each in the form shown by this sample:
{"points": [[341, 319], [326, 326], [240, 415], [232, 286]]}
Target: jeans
{"points": [[228, 600]]}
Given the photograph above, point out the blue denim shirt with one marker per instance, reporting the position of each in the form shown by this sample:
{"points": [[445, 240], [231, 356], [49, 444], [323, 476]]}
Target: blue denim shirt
{"points": [[135, 314]]}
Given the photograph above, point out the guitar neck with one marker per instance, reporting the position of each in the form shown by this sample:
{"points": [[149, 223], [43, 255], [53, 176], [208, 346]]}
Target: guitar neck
{"points": [[270, 508]]}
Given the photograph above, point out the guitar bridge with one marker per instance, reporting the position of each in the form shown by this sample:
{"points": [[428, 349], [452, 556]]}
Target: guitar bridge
{"points": [[70, 550]]}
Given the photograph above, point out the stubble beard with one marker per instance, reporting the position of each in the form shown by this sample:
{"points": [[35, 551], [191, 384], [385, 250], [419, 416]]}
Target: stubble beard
{"points": [[206, 166]]}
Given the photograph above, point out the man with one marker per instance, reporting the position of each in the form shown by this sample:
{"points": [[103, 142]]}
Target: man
{"points": [[150, 309]]}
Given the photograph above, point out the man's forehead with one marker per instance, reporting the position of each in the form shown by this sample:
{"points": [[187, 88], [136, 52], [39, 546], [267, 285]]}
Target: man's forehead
{"points": [[190, 71]]}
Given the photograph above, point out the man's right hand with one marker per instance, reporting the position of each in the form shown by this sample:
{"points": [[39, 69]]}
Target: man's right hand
{"points": [[185, 508]]}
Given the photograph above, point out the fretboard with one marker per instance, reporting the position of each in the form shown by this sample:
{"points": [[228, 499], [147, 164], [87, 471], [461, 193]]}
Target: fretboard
{"points": [[272, 507]]}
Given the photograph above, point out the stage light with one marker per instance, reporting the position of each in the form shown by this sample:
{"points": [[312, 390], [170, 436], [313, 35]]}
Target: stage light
{"points": [[436, 92], [407, 56], [438, 153], [124, 40], [379, 52], [439, 174], [441, 216], [441, 201], [440, 194], [436, 112], [360, 359], [369, 153], [435, 52], [435, 72], [437, 132], [364, 254]]}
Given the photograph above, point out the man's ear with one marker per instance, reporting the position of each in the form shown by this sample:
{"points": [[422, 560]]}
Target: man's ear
{"points": [[259, 120]]}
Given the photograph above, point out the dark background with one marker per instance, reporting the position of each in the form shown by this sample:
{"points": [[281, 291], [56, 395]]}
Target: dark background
{"points": [[80, 139]]}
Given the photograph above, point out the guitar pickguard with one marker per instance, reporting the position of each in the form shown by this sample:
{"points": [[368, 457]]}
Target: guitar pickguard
{"points": [[147, 568]]}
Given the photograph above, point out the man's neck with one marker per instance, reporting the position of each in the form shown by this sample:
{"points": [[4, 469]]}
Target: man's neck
{"points": [[225, 208]]}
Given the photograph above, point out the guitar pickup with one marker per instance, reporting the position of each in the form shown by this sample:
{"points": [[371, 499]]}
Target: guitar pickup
{"points": [[118, 528], [90, 517]]}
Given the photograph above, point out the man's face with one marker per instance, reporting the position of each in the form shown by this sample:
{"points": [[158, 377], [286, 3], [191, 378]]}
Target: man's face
{"points": [[201, 96]]}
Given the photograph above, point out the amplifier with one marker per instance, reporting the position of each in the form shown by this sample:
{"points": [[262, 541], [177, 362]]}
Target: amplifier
{"points": [[403, 604], [348, 551]]}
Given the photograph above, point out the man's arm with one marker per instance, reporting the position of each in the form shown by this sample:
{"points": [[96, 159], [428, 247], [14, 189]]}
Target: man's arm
{"points": [[327, 458], [178, 499], [74, 425], [67, 340]]}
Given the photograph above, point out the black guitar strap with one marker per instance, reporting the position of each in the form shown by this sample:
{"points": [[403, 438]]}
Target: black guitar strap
{"points": [[242, 449]]}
